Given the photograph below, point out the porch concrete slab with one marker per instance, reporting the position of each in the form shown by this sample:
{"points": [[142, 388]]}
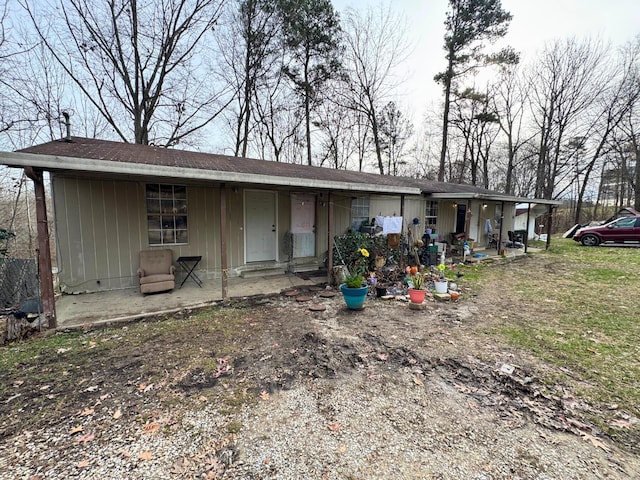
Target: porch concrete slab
{"points": [[123, 305]]}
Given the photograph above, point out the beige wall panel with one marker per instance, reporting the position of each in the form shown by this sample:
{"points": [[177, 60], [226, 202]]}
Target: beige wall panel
{"points": [[341, 214], [414, 208], [322, 226], [283, 224], [446, 219], [204, 229], [384, 206], [67, 229], [235, 228]]}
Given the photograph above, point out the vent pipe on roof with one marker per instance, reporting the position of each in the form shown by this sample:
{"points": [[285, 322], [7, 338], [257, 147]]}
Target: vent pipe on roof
{"points": [[67, 123]]}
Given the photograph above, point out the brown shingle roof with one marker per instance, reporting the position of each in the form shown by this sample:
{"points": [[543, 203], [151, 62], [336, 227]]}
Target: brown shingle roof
{"points": [[145, 155], [150, 155]]}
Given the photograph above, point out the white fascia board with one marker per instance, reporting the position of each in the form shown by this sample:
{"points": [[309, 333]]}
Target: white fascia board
{"points": [[492, 198], [54, 163]]}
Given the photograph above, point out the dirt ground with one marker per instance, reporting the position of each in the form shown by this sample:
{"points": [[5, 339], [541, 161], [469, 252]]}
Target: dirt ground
{"points": [[280, 391]]}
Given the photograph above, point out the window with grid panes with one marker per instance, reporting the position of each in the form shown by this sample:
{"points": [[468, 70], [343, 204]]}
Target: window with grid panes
{"points": [[359, 212], [431, 215], [167, 214]]}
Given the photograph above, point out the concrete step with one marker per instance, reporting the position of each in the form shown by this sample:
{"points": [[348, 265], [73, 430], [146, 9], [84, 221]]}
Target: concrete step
{"points": [[262, 272]]}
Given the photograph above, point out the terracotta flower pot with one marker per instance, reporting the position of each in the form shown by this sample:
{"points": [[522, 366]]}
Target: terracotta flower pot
{"points": [[416, 295]]}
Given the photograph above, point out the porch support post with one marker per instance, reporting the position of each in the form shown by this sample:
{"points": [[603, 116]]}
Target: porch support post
{"points": [[549, 225], [44, 250], [223, 241], [330, 237], [501, 226], [402, 260], [526, 238]]}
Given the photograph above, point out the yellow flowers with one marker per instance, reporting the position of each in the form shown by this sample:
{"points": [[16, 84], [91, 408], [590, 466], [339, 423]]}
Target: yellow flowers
{"points": [[364, 252]]}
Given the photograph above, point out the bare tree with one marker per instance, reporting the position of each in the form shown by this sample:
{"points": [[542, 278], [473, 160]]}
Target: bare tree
{"points": [[375, 45], [338, 131], [279, 120], [508, 98], [477, 124], [248, 51], [141, 65], [618, 98], [395, 132], [563, 85]]}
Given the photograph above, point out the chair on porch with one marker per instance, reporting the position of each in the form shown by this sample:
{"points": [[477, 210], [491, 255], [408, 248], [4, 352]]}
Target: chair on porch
{"points": [[514, 240], [156, 272]]}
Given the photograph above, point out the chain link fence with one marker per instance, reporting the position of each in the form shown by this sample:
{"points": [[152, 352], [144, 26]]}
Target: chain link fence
{"points": [[19, 285]]}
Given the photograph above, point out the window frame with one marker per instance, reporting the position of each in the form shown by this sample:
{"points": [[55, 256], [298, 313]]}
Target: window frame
{"points": [[167, 214], [431, 207], [358, 204]]}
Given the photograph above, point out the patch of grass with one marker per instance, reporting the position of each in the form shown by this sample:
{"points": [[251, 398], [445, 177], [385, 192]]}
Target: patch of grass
{"points": [[583, 317], [234, 427]]}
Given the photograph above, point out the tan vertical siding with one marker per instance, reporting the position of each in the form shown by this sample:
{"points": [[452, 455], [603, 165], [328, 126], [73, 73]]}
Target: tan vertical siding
{"points": [[235, 226], [284, 225]]}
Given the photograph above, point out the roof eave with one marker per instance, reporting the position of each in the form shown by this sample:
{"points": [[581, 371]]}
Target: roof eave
{"points": [[492, 197], [53, 163]]}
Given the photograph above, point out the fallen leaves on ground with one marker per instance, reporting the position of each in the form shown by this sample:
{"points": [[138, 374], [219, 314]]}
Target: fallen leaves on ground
{"points": [[117, 414], [264, 395], [145, 455], [334, 426], [151, 428], [86, 438], [76, 429], [594, 441]]}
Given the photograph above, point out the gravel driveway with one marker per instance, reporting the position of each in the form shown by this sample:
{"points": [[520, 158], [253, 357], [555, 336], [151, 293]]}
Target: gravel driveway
{"points": [[386, 393]]}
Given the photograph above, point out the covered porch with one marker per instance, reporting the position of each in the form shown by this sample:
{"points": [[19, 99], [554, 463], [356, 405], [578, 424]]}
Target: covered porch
{"points": [[112, 306]]}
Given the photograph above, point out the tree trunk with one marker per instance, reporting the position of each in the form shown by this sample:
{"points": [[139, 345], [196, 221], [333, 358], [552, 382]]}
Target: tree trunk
{"points": [[445, 116]]}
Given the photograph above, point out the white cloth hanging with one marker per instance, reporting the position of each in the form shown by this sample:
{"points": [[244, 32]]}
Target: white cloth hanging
{"points": [[392, 225], [487, 227]]}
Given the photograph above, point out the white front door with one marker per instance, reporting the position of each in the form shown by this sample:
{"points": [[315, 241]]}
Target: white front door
{"points": [[260, 225], [303, 219]]}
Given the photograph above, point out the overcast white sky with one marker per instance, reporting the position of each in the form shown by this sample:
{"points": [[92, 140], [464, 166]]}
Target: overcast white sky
{"points": [[534, 23]]}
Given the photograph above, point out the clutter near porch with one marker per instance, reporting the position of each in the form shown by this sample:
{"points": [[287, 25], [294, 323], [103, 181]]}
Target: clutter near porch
{"points": [[401, 269]]}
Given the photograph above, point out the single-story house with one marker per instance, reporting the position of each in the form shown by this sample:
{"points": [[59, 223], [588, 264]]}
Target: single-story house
{"points": [[110, 200], [528, 219]]}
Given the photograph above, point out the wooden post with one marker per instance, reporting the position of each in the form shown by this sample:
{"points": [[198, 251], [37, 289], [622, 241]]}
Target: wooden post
{"points": [[330, 237], [549, 225], [526, 235], [223, 241], [43, 250], [402, 259], [501, 227]]}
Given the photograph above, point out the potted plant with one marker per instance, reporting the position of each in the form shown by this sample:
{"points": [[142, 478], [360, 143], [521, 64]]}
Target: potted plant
{"points": [[416, 285], [441, 283], [354, 289]]}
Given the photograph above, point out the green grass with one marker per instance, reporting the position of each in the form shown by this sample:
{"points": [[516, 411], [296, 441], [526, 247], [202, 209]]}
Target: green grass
{"points": [[582, 317]]}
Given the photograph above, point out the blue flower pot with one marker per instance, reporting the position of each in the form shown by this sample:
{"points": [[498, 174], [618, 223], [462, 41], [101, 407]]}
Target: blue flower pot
{"points": [[354, 297]]}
